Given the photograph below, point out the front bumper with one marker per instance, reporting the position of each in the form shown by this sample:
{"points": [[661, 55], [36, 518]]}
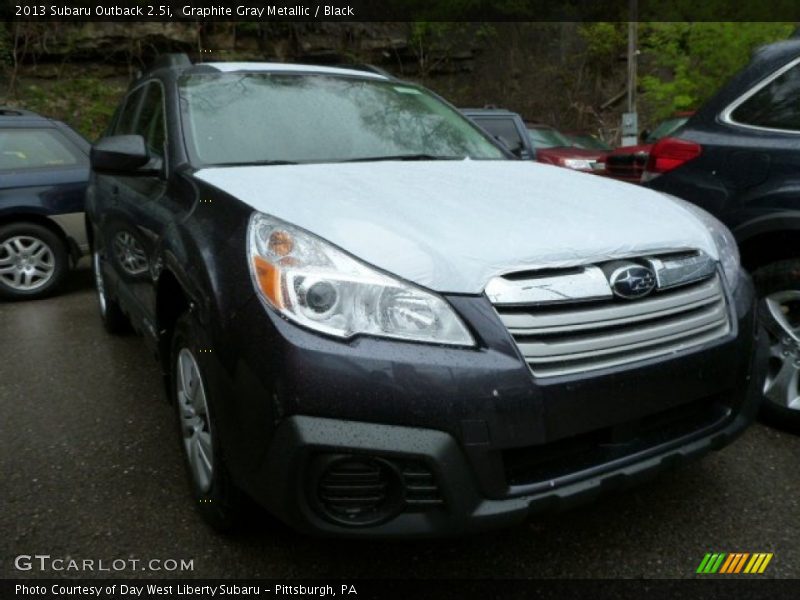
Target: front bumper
{"points": [[464, 510], [499, 443]]}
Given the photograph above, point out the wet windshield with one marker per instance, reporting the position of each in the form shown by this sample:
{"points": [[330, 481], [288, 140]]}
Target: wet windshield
{"points": [[251, 118], [546, 137]]}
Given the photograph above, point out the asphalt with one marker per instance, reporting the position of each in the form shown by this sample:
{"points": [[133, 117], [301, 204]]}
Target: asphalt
{"points": [[90, 469]]}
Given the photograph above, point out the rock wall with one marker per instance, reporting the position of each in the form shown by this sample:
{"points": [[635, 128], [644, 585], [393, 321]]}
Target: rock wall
{"points": [[538, 69]]}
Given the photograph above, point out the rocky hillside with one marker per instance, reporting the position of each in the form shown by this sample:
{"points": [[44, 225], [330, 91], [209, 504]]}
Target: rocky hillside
{"points": [[76, 72]]}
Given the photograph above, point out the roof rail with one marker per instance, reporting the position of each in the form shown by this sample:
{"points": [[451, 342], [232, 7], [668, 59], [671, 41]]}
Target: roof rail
{"points": [[368, 68]]}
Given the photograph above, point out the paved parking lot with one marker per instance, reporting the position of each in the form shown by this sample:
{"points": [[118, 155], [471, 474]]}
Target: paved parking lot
{"points": [[90, 469]]}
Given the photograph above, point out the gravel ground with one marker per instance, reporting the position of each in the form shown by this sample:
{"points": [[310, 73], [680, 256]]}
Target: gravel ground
{"points": [[90, 469]]}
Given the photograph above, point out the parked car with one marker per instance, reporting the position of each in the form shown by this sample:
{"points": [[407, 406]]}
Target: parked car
{"points": [[739, 158], [587, 141], [627, 163], [374, 323], [533, 141], [44, 167]]}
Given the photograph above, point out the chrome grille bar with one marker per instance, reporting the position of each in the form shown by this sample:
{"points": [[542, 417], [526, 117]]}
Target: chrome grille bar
{"points": [[560, 340]]}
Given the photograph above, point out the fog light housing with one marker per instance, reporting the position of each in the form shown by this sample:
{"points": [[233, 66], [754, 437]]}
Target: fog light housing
{"points": [[356, 491]]}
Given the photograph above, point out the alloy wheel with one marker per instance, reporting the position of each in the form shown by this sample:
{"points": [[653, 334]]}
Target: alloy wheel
{"points": [[26, 263], [782, 320], [195, 420], [99, 284]]}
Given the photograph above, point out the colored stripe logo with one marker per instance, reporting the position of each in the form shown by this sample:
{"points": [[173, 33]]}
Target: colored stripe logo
{"points": [[734, 563]]}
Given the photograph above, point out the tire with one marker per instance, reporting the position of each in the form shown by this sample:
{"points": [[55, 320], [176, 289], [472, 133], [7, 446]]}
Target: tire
{"points": [[114, 319], [33, 261], [220, 503], [778, 287]]}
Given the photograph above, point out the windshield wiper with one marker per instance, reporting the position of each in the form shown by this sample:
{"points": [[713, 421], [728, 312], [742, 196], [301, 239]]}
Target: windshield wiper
{"points": [[404, 157], [256, 163]]}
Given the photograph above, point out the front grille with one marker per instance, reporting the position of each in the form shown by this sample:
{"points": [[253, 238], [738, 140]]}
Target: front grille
{"points": [[562, 339]]}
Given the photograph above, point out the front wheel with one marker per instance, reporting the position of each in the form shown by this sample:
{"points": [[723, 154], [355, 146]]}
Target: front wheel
{"points": [[33, 261], [218, 500], [778, 286]]}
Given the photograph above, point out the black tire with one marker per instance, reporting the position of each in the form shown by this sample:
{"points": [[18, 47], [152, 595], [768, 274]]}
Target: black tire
{"points": [[773, 281], [220, 503], [115, 321], [54, 261]]}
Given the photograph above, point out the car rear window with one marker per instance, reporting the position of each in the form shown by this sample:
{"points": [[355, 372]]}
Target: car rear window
{"points": [[775, 106], [502, 128], [22, 149], [546, 137]]}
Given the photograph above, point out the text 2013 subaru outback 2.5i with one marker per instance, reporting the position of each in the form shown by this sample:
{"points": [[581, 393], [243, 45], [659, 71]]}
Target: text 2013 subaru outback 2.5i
{"points": [[373, 322]]}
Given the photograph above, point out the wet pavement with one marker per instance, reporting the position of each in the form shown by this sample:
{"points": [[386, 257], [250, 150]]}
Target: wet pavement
{"points": [[90, 468]]}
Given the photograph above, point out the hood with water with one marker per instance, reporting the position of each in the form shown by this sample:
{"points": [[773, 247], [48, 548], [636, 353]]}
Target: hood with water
{"points": [[453, 225]]}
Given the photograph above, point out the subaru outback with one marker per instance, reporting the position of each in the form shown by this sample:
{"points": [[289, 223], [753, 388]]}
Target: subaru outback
{"points": [[373, 321]]}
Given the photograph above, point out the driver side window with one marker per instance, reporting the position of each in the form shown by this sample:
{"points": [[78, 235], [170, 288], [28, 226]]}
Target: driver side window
{"points": [[127, 117], [143, 114], [150, 124]]}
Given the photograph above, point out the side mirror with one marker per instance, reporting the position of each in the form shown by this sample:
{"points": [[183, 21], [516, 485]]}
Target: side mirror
{"points": [[122, 154], [644, 135]]}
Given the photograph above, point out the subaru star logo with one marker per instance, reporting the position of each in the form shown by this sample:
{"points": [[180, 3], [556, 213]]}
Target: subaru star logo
{"points": [[632, 281]]}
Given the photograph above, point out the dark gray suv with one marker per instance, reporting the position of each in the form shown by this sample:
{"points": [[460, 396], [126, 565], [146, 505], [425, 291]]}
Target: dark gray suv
{"points": [[374, 323]]}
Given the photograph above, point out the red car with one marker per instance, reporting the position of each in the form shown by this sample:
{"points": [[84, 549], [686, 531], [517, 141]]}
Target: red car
{"points": [[534, 141], [627, 163], [554, 148]]}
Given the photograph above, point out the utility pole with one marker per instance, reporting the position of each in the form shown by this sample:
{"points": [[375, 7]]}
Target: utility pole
{"points": [[630, 120]]}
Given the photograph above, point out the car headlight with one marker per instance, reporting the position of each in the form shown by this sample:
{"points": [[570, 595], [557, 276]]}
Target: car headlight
{"points": [[579, 164], [726, 244], [315, 284]]}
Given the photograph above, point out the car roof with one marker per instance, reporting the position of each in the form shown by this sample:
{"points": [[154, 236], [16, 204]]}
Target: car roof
{"points": [[8, 113], [18, 118], [228, 67]]}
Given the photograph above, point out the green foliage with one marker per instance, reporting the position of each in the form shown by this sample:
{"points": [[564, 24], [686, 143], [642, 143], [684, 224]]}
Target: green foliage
{"points": [[604, 41], [86, 104], [683, 64]]}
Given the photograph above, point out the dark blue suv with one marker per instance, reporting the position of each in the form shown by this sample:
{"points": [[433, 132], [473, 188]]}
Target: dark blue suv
{"points": [[44, 168], [738, 157]]}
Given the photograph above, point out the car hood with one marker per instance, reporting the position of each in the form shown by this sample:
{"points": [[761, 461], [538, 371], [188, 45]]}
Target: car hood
{"points": [[453, 225]]}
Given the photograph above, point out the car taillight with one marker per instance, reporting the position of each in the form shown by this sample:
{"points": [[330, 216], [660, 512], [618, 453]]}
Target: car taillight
{"points": [[668, 154]]}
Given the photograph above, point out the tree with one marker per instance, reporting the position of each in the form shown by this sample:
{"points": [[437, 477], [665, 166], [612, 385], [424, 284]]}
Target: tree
{"points": [[683, 64]]}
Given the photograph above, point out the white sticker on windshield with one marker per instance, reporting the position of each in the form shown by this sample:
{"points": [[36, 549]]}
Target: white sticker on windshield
{"points": [[406, 90]]}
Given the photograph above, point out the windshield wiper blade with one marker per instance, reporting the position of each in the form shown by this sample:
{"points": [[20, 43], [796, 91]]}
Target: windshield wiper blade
{"points": [[256, 163], [404, 157]]}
